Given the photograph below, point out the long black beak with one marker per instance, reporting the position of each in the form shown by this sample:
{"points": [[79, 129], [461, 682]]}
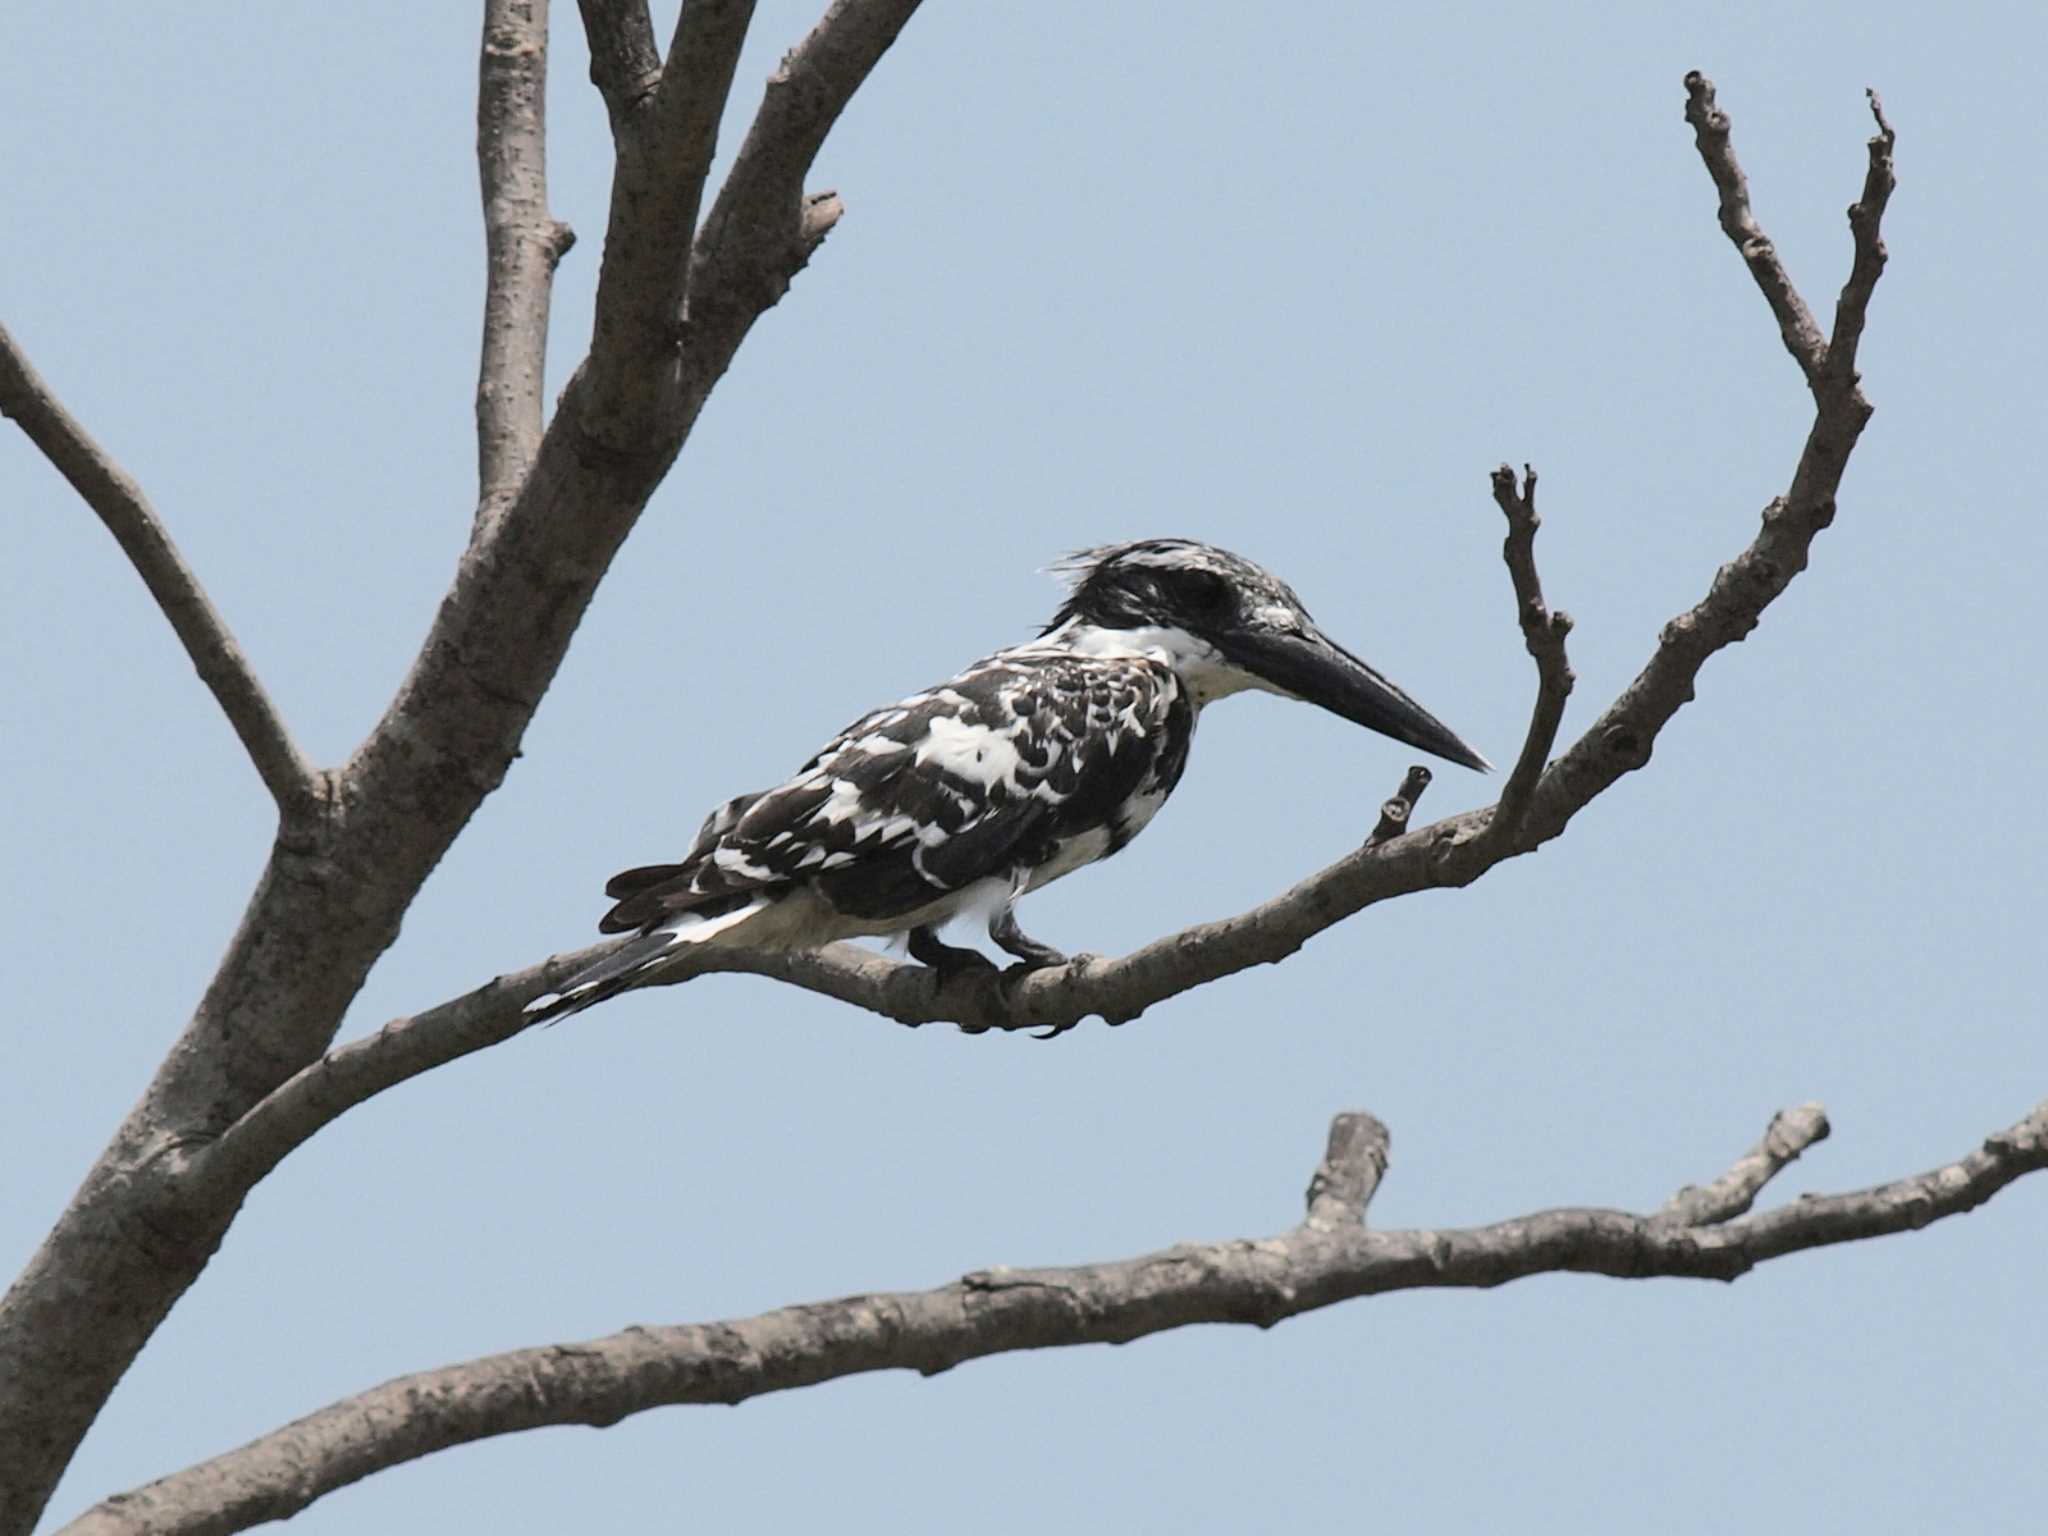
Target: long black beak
{"points": [[1317, 670]]}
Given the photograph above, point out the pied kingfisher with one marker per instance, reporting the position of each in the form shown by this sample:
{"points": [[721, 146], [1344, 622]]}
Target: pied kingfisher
{"points": [[1028, 765]]}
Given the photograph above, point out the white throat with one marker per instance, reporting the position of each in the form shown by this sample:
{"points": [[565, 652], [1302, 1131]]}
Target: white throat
{"points": [[1202, 669]]}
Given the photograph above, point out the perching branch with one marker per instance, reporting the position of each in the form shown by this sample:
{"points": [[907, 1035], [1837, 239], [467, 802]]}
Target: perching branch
{"points": [[25, 399], [1329, 1258], [523, 241]]}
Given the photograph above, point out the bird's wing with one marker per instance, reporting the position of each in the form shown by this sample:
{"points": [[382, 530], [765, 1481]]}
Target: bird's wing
{"points": [[988, 773]]}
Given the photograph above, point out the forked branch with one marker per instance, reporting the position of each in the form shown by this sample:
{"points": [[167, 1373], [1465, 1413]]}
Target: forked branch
{"points": [[1543, 632], [1329, 1258]]}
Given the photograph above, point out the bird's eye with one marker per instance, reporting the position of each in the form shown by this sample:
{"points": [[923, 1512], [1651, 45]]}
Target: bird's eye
{"points": [[1203, 591]]}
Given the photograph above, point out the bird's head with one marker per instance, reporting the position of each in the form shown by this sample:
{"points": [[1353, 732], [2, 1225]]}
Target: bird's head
{"points": [[1225, 625]]}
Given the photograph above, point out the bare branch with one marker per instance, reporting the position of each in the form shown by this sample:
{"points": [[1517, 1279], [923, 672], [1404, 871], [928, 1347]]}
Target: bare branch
{"points": [[1327, 1259], [1790, 1133], [763, 227], [523, 243], [623, 64], [1795, 321], [293, 782], [1543, 632], [665, 145], [1865, 216]]}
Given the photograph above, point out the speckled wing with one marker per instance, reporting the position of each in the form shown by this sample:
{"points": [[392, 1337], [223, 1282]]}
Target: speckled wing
{"points": [[991, 774]]}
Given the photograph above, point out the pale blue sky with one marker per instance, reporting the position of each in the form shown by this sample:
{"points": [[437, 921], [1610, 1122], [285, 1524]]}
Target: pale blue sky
{"points": [[1293, 280]]}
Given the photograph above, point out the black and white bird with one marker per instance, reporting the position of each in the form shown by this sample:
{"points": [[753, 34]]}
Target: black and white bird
{"points": [[1031, 763]]}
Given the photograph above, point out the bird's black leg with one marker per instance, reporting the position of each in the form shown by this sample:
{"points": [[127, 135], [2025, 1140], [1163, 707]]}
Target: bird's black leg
{"points": [[1031, 956], [949, 960], [1014, 940]]}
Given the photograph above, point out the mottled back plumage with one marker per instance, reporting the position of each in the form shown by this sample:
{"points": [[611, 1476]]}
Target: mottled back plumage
{"points": [[997, 769]]}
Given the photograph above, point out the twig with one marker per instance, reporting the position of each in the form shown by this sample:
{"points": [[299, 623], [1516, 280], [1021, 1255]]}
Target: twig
{"points": [[1261, 1282], [1865, 216], [1543, 632], [523, 243], [1394, 813], [293, 782], [1795, 321], [1790, 1133]]}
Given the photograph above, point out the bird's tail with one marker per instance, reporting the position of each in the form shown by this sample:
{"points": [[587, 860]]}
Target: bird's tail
{"points": [[628, 965]]}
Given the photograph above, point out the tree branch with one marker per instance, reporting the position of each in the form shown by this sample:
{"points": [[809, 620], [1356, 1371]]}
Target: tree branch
{"points": [[1543, 632], [1328, 1258], [665, 141], [295, 784], [763, 227], [523, 244], [1865, 216], [623, 63], [1795, 321], [1790, 1133]]}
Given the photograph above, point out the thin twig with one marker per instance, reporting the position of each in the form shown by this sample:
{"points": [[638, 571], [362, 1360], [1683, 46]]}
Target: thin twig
{"points": [[1314, 1265], [1790, 1133], [1866, 214], [292, 780], [1543, 632], [1795, 321], [524, 243]]}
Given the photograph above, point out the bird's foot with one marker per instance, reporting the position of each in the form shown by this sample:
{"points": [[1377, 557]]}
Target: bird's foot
{"points": [[1014, 976], [1014, 940], [950, 961]]}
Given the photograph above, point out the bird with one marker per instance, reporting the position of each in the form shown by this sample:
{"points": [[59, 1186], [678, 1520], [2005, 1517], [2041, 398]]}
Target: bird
{"points": [[1030, 764]]}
